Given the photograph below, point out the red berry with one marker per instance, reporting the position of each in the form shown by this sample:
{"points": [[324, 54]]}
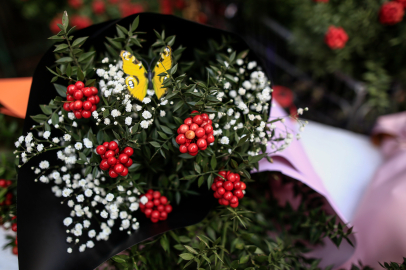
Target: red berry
{"points": [[234, 200], [180, 139], [157, 202], [148, 212], [118, 168], [210, 138], [234, 205], [109, 154], [106, 144], [200, 132], [128, 151], [204, 116], [221, 191], [202, 144], [237, 177], [213, 186], [8, 183], [228, 185], [78, 104], [79, 85], [216, 195], [71, 89], [154, 220], [94, 90], [168, 208], [87, 105], [183, 128], [243, 186], [111, 161], [129, 163], [231, 177], [208, 129], [72, 106], [112, 173], [188, 121], [92, 99], [155, 214], [193, 153], [192, 148], [2, 183], [209, 122], [70, 98], [93, 108], [225, 202], [123, 158], [14, 227], [183, 148], [163, 200], [190, 135], [163, 215], [97, 99], [78, 115], [219, 184], [66, 107], [104, 165], [198, 119], [194, 127], [149, 204], [194, 111], [238, 193], [15, 250], [124, 172], [228, 195], [113, 145], [78, 95], [237, 185], [100, 149], [86, 114], [150, 191], [161, 208], [87, 92], [156, 194]]}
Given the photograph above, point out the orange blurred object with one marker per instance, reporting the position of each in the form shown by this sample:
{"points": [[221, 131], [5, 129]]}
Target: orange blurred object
{"points": [[14, 94]]}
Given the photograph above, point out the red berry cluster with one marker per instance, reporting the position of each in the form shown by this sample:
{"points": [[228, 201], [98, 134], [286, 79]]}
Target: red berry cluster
{"points": [[9, 195], [195, 134], [230, 190], [113, 160], [82, 100], [157, 207]]}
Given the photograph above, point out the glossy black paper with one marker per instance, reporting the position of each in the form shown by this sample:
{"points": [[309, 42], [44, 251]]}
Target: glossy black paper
{"points": [[41, 234]]}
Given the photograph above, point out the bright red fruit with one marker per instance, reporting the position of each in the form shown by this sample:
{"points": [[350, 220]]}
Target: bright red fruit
{"points": [[128, 151]]}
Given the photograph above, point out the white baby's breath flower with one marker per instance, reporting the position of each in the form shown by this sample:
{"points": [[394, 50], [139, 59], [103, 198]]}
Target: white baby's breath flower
{"points": [[300, 111], [78, 146], [44, 164], [67, 137], [88, 143], [230, 112], [164, 102], [55, 140], [241, 91], [109, 197], [212, 116], [74, 124], [146, 100], [224, 140], [162, 113], [146, 114], [247, 85], [144, 124], [115, 113], [128, 107], [71, 115], [227, 85], [251, 65], [88, 192], [46, 135], [91, 233], [128, 121], [100, 72], [67, 221], [107, 121], [233, 93], [144, 200], [239, 62], [40, 147]]}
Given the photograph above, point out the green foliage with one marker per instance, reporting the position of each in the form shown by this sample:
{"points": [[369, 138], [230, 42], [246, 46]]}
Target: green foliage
{"points": [[394, 266]]}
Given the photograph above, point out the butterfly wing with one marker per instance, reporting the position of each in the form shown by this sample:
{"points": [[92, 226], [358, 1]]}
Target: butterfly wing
{"points": [[163, 65], [136, 81]]}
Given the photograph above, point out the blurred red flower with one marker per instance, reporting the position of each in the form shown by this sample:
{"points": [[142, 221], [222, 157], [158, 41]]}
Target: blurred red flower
{"points": [[127, 9], [53, 24], [114, 1], [80, 21], [98, 7], [180, 4], [403, 2], [283, 95], [321, 1], [336, 37], [166, 7], [391, 13], [75, 3]]}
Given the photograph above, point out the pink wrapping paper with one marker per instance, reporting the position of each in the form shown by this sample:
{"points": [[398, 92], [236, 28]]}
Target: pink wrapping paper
{"points": [[380, 219]]}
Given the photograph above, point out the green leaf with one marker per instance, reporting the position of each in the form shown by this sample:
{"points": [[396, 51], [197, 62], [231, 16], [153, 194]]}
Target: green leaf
{"points": [[135, 23], [118, 259], [244, 259], [200, 181], [69, 70], [210, 181], [60, 89], [178, 105], [257, 158], [163, 135], [197, 168], [173, 69], [166, 130], [86, 56], [55, 119], [65, 20], [164, 243], [185, 156], [123, 29], [234, 164], [177, 195], [80, 74], [155, 144], [46, 109], [178, 121], [61, 47], [39, 118], [79, 41], [213, 162], [187, 256], [62, 60], [190, 249]]}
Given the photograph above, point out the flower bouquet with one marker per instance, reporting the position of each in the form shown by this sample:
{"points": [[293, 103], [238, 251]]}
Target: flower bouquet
{"points": [[138, 126]]}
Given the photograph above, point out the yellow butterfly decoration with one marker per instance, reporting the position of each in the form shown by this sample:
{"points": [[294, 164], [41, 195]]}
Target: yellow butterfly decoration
{"points": [[139, 78]]}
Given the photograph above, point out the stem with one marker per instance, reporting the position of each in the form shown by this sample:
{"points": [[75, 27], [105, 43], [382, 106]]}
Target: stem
{"points": [[71, 51], [223, 242]]}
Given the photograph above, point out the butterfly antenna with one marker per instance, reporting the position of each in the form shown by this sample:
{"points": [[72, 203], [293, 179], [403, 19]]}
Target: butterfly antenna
{"points": [[146, 63], [152, 61]]}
